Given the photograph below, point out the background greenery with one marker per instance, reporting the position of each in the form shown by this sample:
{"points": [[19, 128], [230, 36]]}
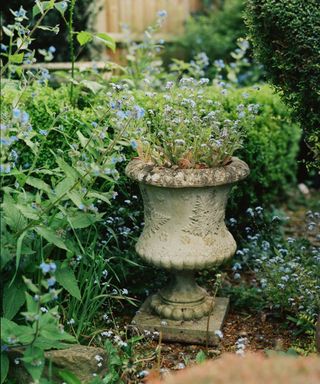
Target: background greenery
{"points": [[286, 40]]}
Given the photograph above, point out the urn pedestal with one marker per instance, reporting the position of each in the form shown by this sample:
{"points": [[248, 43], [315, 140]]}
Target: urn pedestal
{"points": [[184, 212]]}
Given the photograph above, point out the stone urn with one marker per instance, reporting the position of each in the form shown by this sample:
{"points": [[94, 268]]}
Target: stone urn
{"points": [[185, 231]]}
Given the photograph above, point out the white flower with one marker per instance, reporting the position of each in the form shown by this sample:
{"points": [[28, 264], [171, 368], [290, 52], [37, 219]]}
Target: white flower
{"points": [[218, 333]]}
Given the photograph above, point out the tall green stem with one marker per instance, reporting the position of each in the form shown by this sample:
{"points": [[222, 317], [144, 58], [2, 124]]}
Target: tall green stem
{"points": [[71, 43]]}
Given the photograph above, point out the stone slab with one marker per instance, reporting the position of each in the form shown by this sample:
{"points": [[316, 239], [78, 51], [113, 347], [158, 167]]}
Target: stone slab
{"points": [[190, 332]]}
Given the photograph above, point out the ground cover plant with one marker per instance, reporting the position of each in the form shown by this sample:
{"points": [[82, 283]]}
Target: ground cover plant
{"points": [[70, 218]]}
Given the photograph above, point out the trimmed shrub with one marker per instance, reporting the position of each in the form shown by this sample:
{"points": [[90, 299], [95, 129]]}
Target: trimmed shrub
{"points": [[285, 36], [270, 148]]}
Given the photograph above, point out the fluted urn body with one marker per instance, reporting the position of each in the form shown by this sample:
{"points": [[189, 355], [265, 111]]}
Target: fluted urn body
{"points": [[184, 212]]}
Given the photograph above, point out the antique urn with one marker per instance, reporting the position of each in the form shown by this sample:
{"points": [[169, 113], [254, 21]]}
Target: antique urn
{"points": [[185, 231]]}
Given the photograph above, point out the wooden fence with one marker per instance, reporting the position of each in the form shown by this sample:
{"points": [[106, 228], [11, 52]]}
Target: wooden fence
{"points": [[138, 14]]}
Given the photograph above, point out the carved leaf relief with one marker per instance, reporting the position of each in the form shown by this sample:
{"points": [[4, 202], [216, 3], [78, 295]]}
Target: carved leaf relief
{"points": [[206, 216]]}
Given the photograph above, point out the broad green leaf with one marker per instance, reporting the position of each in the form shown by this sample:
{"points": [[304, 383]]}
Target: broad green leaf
{"points": [[19, 249], [38, 183], [63, 187], [4, 367], [13, 298], [22, 333], [12, 217], [75, 197], [104, 196], [16, 58], [32, 305], [107, 40], [67, 169], [33, 361], [84, 37], [52, 332], [46, 344], [29, 284], [83, 139], [82, 220], [69, 377], [66, 278], [92, 85], [51, 237], [28, 212]]}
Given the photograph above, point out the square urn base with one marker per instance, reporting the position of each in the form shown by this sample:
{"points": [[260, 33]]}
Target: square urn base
{"points": [[191, 332]]}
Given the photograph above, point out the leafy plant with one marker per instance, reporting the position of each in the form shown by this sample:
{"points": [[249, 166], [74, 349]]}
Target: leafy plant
{"points": [[285, 38], [42, 330]]}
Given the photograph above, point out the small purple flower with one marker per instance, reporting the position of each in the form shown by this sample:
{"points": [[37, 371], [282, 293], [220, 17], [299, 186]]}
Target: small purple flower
{"points": [[45, 268], [51, 282], [52, 49], [134, 144], [163, 13], [24, 117], [43, 132], [16, 113], [138, 112]]}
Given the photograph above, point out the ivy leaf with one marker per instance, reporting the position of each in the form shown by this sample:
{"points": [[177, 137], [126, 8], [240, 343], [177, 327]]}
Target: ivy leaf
{"points": [[84, 37], [51, 237], [66, 278], [107, 40]]}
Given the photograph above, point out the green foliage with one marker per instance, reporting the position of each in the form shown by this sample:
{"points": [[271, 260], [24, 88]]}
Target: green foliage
{"points": [[215, 34], [270, 148], [285, 35], [83, 11], [285, 270], [41, 331]]}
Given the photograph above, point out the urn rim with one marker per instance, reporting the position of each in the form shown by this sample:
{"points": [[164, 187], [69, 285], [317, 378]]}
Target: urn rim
{"points": [[151, 174]]}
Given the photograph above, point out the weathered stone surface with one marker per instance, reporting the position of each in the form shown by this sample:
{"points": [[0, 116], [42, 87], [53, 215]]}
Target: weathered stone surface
{"points": [[191, 332], [151, 174], [185, 231], [250, 369], [84, 362]]}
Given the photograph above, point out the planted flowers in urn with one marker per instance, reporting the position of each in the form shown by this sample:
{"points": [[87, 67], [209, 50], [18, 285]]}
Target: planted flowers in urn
{"points": [[185, 171]]}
